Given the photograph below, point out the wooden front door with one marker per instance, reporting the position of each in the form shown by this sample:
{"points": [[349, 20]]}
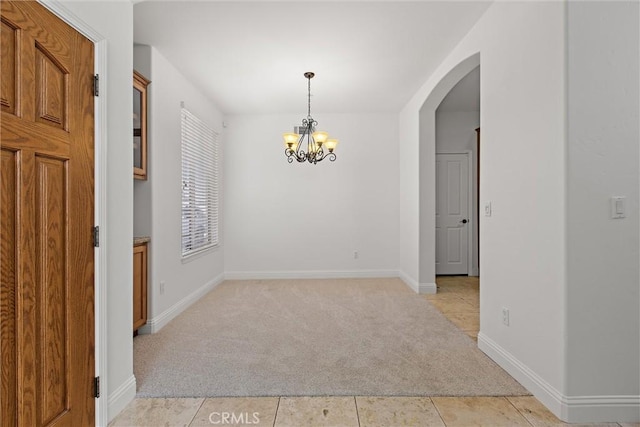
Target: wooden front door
{"points": [[47, 288]]}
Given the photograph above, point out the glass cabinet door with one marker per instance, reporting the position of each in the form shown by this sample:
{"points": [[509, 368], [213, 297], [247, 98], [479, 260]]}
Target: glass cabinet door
{"points": [[140, 84]]}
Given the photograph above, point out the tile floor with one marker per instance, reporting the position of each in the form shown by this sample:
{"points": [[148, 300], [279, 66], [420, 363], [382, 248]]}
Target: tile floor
{"points": [[457, 299]]}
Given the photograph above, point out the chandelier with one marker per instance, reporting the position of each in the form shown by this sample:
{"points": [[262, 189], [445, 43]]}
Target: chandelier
{"points": [[316, 141]]}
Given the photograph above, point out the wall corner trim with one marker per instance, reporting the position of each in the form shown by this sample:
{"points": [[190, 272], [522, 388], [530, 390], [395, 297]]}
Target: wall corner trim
{"points": [[419, 288], [155, 324], [427, 288], [571, 409], [121, 397]]}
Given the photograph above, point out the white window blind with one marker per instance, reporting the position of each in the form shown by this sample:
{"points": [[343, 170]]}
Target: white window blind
{"points": [[199, 185]]}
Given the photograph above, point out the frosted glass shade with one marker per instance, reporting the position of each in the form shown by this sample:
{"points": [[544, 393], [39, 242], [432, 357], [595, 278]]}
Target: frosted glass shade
{"points": [[320, 137], [331, 144], [291, 140]]}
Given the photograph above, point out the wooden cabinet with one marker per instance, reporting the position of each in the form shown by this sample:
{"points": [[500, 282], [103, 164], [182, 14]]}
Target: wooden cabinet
{"points": [[140, 84], [139, 285]]}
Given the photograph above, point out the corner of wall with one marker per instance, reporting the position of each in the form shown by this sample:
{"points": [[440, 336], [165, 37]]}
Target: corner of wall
{"points": [[571, 409], [419, 288], [121, 397], [158, 322]]}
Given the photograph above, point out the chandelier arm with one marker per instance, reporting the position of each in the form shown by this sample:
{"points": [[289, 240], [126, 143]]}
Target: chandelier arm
{"points": [[301, 151], [291, 154], [309, 124], [321, 155]]}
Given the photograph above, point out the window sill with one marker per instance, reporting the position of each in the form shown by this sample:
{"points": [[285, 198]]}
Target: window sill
{"points": [[201, 253]]}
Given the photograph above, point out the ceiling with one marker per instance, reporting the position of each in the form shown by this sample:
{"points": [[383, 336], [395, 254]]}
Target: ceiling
{"points": [[249, 57]]}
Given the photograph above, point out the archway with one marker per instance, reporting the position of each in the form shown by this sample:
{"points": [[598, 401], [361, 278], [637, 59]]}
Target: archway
{"points": [[427, 163]]}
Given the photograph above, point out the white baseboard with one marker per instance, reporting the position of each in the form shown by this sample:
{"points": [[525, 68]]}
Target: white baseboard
{"points": [[308, 274], [600, 409], [571, 409], [409, 281], [427, 288], [121, 397], [418, 288], [539, 387], [158, 322]]}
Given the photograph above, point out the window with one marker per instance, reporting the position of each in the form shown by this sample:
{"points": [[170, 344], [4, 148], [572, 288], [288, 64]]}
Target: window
{"points": [[199, 185]]}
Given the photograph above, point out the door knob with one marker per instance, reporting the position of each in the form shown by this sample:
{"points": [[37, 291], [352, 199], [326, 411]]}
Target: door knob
{"points": [[464, 221]]}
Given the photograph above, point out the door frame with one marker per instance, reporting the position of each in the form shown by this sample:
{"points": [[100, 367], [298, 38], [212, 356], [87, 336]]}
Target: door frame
{"points": [[470, 208], [472, 217], [100, 198]]}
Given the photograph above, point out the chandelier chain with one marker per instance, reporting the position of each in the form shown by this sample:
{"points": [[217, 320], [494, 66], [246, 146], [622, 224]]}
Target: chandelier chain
{"points": [[309, 98]]}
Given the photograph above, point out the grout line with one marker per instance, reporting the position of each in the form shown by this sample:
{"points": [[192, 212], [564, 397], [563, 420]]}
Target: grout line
{"points": [[437, 411], [197, 410], [275, 417], [519, 412], [355, 401]]}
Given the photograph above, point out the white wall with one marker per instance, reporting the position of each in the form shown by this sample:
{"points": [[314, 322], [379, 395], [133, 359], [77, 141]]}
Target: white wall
{"points": [[304, 220], [603, 295], [158, 200], [522, 245], [114, 21], [409, 200], [521, 52], [557, 142], [456, 133]]}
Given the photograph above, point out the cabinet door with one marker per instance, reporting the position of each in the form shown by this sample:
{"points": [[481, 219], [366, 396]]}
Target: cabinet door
{"points": [[140, 84], [139, 286]]}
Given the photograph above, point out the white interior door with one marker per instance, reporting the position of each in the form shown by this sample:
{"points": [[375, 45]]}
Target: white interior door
{"points": [[452, 214]]}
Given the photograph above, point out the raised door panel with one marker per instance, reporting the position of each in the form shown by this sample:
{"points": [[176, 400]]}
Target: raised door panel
{"points": [[51, 288], [8, 286], [52, 94], [454, 251], [9, 37], [453, 193]]}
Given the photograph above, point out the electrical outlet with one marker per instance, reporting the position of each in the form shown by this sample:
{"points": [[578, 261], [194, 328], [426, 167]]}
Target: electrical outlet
{"points": [[162, 287], [355, 254], [505, 316]]}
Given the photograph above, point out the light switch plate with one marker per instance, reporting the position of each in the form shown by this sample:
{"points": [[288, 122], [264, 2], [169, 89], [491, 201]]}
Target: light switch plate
{"points": [[618, 207], [487, 209]]}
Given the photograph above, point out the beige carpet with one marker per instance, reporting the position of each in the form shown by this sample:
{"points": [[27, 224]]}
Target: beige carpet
{"points": [[364, 337]]}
